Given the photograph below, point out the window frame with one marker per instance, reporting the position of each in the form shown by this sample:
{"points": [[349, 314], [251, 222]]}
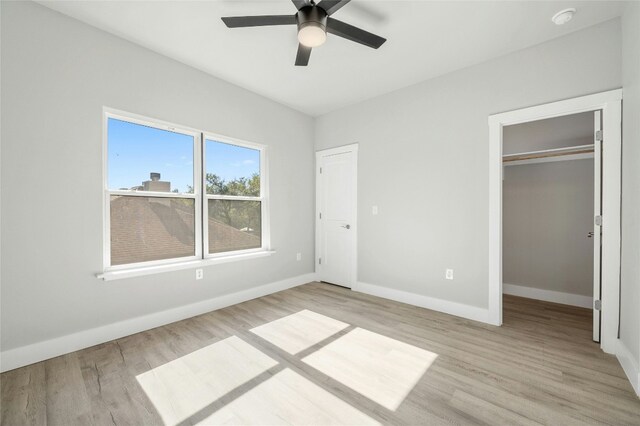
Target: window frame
{"points": [[263, 198], [201, 255]]}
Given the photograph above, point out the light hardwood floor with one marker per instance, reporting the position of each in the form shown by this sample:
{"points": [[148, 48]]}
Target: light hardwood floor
{"points": [[540, 367]]}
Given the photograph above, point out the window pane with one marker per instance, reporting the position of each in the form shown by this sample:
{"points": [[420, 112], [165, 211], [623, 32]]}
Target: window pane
{"points": [[232, 169], [148, 159], [151, 228], [234, 225]]}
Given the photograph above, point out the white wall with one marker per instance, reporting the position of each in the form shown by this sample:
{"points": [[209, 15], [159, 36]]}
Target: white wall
{"points": [[424, 160], [57, 74], [630, 271], [547, 214]]}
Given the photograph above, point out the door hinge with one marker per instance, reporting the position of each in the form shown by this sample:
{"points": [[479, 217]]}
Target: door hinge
{"points": [[320, 215], [598, 220], [320, 170], [319, 261], [597, 305], [599, 135]]}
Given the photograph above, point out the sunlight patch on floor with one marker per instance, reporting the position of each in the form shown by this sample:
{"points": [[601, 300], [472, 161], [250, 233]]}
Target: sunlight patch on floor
{"points": [[299, 331], [382, 369], [181, 388], [290, 399], [189, 389]]}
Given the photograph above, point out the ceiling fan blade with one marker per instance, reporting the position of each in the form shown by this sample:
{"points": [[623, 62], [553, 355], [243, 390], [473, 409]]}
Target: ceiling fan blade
{"points": [[302, 58], [352, 33], [332, 6], [300, 3], [259, 21]]}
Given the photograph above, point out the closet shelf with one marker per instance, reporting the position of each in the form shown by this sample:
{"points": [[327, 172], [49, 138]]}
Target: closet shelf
{"points": [[547, 153]]}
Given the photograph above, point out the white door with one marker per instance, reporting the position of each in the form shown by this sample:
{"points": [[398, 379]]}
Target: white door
{"points": [[336, 202], [597, 224]]}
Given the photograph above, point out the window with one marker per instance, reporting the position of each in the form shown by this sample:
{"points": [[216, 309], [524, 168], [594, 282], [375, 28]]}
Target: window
{"points": [[177, 195], [233, 197]]}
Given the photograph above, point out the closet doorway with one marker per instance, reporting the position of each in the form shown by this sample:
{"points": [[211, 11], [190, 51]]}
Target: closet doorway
{"points": [[607, 279], [551, 209]]}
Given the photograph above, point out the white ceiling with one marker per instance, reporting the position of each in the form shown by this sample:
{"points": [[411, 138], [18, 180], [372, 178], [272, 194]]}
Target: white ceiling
{"points": [[425, 39]]}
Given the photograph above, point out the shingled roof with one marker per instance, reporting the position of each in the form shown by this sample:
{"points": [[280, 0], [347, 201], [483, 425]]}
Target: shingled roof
{"points": [[145, 229]]}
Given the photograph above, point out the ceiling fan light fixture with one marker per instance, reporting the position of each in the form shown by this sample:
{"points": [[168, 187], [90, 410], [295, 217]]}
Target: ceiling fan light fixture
{"points": [[312, 34]]}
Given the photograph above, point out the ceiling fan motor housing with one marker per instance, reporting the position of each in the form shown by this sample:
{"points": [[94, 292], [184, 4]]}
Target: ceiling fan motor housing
{"points": [[312, 15]]}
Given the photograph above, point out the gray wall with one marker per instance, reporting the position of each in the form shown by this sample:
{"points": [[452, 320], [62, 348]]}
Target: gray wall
{"points": [[547, 213], [57, 74], [424, 156], [423, 161], [630, 279]]}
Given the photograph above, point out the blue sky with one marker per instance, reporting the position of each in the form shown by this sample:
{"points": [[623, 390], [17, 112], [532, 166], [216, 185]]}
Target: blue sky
{"points": [[231, 161], [134, 151]]}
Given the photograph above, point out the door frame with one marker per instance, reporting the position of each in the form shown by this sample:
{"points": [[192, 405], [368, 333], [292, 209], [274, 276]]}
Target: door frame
{"points": [[610, 103], [353, 148]]}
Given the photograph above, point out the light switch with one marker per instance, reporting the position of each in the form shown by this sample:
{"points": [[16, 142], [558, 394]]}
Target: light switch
{"points": [[374, 210]]}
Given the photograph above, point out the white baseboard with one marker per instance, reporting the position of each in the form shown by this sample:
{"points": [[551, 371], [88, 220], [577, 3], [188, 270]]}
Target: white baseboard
{"points": [[25, 355], [548, 295], [458, 309], [629, 365]]}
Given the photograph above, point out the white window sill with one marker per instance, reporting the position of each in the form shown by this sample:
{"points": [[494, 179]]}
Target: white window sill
{"points": [[157, 269]]}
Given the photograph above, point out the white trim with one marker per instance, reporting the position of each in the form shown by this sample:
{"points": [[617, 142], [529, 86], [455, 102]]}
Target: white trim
{"points": [[610, 103], [557, 109], [629, 365], [115, 274], [353, 148], [151, 194], [198, 190], [548, 295], [611, 217], [495, 223], [568, 157], [40, 351], [216, 137], [150, 265], [232, 197], [148, 121], [339, 150], [106, 198], [453, 308]]}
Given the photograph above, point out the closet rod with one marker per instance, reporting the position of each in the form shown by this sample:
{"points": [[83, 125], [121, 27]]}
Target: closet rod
{"points": [[556, 152]]}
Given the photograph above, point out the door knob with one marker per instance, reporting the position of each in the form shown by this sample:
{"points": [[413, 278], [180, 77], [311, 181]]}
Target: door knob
{"points": [[590, 234], [346, 226]]}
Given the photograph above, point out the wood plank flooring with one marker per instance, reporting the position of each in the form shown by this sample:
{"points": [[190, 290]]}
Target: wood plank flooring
{"points": [[540, 367]]}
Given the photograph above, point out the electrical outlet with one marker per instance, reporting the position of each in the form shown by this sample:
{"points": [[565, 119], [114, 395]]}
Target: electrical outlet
{"points": [[299, 256], [199, 274], [374, 210], [449, 274]]}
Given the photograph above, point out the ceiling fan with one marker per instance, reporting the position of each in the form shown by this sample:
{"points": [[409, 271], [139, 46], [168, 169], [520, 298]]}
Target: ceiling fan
{"points": [[314, 22]]}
